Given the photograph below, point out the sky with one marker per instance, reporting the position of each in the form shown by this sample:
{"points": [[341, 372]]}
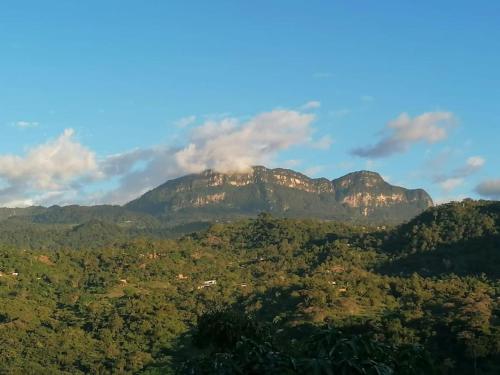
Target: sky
{"points": [[102, 100]]}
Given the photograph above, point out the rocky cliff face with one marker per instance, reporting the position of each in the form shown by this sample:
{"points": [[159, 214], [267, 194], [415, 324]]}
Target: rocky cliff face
{"points": [[368, 191], [359, 196]]}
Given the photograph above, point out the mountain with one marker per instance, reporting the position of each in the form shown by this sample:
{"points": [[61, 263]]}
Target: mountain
{"points": [[208, 196], [360, 197]]}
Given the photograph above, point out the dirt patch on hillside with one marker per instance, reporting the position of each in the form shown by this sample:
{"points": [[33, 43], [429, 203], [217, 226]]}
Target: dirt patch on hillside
{"points": [[45, 260]]}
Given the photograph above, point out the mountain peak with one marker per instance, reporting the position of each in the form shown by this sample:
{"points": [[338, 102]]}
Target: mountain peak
{"points": [[364, 174], [363, 178]]}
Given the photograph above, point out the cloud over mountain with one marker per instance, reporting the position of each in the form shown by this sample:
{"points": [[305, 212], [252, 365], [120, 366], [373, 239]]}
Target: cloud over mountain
{"points": [[456, 178], [226, 145], [231, 146], [53, 172]]}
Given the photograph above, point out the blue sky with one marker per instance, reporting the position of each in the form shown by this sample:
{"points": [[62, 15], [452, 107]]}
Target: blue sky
{"points": [[101, 100]]}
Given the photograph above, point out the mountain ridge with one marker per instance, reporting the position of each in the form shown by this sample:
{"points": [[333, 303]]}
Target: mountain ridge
{"points": [[284, 192]]}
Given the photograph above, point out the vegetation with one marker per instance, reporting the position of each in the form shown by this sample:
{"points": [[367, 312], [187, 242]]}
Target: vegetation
{"points": [[256, 296], [236, 343]]}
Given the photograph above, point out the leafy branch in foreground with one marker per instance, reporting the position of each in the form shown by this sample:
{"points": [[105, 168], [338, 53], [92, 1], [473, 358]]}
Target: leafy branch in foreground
{"points": [[234, 343]]}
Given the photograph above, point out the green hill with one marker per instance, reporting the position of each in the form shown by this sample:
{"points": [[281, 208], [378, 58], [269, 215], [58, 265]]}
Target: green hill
{"points": [[460, 237], [266, 295]]}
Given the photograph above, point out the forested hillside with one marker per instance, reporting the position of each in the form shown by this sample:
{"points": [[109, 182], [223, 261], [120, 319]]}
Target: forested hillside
{"points": [[256, 296]]}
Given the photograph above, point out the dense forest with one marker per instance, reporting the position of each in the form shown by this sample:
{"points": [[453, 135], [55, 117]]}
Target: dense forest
{"points": [[256, 296]]}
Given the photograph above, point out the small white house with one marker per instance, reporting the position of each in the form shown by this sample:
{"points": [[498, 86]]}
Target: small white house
{"points": [[207, 284]]}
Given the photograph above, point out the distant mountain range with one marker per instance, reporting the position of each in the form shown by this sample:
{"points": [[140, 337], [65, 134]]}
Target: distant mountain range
{"points": [[361, 197]]}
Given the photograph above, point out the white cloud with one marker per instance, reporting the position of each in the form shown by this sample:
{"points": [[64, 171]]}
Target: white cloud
{"points": [[60, 171], [231, 146], [26, 124], [49, 165], [489, 189], [159, 165], [119, 164], [185, 121], [472, 165], [311, 105], [404, 131], [46, 169], [451, 183]]}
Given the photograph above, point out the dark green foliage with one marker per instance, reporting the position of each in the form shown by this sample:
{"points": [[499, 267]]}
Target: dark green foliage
{"points": [[235, 348], [461, 238], [104, 298], [448, 224], [223, 328]]}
